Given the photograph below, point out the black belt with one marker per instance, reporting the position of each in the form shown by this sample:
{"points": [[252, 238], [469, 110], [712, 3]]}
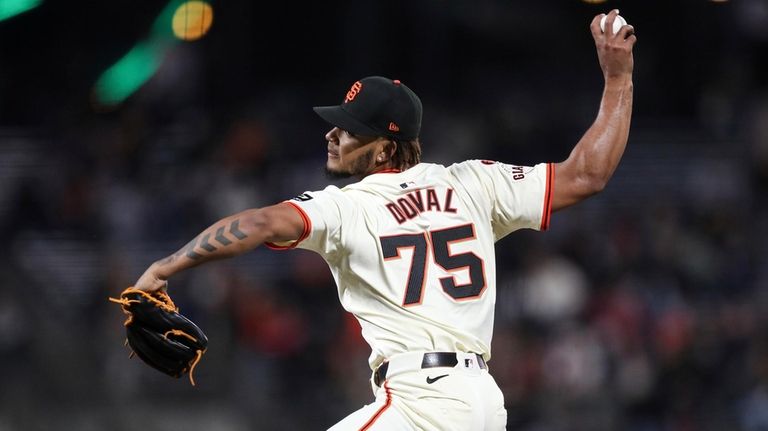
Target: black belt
{"points": [[430, 360]]}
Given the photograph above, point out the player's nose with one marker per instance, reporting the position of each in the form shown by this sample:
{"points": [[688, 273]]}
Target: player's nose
{"points": [[333, 135]]}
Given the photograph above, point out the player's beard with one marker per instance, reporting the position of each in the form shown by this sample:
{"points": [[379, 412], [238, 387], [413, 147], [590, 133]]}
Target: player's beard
{"points": [[358, 168]]}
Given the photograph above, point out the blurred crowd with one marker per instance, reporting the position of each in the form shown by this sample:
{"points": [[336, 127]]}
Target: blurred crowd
{"points": [[642, 309]]}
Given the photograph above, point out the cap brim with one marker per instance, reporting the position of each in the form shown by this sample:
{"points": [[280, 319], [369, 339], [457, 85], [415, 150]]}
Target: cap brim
{"points": [[339, 117]]}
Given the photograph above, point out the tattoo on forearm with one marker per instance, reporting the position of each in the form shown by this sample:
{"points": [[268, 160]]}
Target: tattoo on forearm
{"points": [[204, 243], [189, 250], [234, 229], [221, 238]]}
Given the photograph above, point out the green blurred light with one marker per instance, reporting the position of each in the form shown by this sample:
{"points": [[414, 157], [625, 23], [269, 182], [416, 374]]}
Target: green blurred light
{"points": [[129, 73], [163, 25], [139, 65], [11, 8]]}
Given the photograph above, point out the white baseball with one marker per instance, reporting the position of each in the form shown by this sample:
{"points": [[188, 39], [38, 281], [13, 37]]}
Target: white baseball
{"points": [[617, 23]]}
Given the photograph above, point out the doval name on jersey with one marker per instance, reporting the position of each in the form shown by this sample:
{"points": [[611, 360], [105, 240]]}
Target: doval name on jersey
{"points": [[419, 201]]}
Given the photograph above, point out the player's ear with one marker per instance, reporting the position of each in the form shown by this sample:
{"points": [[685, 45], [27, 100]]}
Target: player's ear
{"points": [[389, 149]]}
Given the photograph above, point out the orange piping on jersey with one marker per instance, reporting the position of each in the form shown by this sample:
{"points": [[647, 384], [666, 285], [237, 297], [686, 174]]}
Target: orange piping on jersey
{"points": [[307, 230], [380, 411], [546, 212]]}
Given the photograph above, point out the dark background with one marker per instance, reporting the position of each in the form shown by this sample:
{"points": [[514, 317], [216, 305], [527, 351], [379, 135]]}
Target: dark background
{"points": [[641, 309]]}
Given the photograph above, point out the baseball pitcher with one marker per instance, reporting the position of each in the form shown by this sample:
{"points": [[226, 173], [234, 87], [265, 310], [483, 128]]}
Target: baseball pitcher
{"points": [[411, 244]]}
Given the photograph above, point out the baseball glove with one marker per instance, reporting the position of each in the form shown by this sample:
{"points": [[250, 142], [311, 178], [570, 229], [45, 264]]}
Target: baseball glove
{"points": [[159, 335]]}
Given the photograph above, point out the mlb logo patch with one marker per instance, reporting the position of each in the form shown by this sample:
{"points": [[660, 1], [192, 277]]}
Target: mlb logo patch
{"points": [[303, 197]]}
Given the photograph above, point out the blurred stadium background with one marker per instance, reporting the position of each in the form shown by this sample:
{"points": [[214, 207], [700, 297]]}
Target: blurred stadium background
{"points": [[643, 309]]}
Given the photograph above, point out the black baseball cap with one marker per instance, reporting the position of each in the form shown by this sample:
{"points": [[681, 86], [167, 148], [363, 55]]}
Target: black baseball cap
{"points": [[377, 106]]}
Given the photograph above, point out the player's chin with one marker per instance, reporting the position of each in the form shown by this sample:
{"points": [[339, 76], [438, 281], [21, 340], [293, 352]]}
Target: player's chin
{"points": [[333, 171]]}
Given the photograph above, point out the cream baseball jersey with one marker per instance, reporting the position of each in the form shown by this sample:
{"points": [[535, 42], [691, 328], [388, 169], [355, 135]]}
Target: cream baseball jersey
{"points": [[412, 252]]}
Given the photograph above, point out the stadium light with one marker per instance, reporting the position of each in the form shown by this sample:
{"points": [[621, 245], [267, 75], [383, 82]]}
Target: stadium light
{"points": [[128, 74], [192, 20], [180, 19], [11, 8]]}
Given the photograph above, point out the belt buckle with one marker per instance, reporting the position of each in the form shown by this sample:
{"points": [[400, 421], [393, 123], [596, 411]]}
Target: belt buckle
{"points": [[439, 359]]}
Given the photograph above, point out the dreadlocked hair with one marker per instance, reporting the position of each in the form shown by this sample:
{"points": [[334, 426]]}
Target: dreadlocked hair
{"points": [[408, 154]]}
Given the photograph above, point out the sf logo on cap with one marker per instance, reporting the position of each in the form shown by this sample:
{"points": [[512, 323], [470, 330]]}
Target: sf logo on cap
{"points": [[352, 93]]}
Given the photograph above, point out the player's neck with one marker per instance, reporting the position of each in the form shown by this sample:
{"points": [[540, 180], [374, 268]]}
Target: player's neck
{"points": [[385, 168], [386, 171]]}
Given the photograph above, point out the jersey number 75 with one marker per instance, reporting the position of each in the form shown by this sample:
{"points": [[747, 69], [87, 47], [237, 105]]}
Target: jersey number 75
{"points": [[440, 240]]}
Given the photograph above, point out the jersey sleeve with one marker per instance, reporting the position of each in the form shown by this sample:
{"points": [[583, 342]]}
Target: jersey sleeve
{"points": [[519, 196], [322, 212]]}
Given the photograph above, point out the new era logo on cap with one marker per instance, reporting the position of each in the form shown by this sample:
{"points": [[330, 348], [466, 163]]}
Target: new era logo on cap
{"points": [[377, 106]]}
